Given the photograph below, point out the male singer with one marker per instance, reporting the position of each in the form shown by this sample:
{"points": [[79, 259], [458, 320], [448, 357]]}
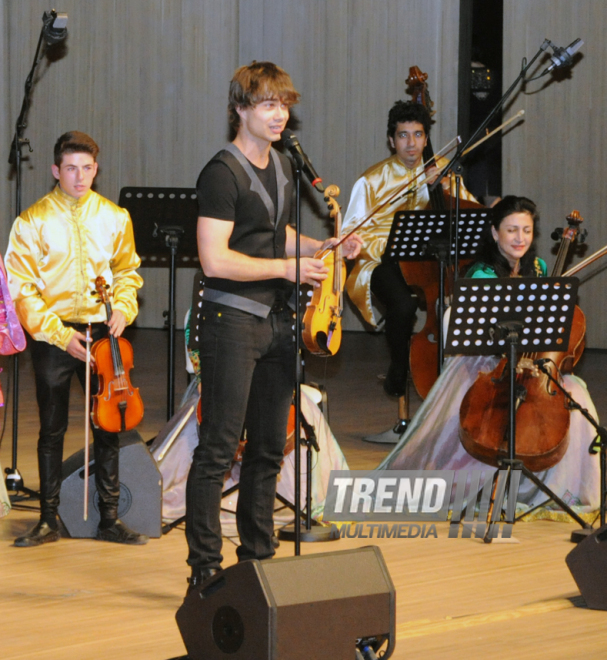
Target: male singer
{"points": [[246, 247]]}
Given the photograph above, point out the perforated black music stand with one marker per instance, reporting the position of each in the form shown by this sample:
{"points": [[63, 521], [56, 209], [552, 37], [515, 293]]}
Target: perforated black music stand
{"points": [[165, 218], [424, 235], [510, 315]]}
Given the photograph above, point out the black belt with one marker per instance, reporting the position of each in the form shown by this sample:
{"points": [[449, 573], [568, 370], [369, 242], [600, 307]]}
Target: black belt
{"points": [[79, 326]]}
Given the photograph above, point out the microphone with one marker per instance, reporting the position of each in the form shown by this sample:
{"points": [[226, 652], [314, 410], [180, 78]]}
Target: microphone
{"points": [[291, 142], [563, 56], [54, 28], [541, 362]]}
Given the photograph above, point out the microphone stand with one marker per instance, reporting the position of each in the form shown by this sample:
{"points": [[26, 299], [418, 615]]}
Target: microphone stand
{"points": [[317, 533], [172, 236], [14, 480], [473, 138], [599, 444], [454, 165]]}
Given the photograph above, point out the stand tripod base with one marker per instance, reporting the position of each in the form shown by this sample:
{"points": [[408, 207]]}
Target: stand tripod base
{"points": [[578, 535], [14, 483], [316, 534], [499, 540], [391, 436]]}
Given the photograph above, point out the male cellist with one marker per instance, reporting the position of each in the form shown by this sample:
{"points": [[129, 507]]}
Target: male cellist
{"points": [[57, 248], [408, 132]]}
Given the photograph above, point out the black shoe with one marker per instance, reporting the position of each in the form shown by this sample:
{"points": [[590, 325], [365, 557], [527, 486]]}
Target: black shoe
{"points": [[41, 533], [199, 576], [120, 533]]}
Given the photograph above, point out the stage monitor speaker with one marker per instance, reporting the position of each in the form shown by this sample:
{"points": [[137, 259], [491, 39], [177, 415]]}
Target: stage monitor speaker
{"points": [[296, 608], [140, 504], [588, 565]]}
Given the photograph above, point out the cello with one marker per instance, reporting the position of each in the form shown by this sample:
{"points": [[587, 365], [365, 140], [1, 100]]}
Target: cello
{"points": [[542, 419], [423, 276], [321, 332], [117, 407]]}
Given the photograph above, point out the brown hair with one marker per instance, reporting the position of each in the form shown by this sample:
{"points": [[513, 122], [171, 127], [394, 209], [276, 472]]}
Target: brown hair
{"points": [[74, 142], [258, 82]]}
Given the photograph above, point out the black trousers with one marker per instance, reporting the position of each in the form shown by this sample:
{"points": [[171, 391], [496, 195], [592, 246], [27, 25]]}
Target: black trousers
{"points": [[390, 288], [247, 370], [53, 369]]}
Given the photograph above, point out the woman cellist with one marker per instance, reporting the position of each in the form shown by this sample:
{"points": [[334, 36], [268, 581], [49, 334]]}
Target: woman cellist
{"points": [[432, 440]]}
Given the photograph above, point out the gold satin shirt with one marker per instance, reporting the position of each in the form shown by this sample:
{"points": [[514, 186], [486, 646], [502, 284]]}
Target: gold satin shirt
{"points": [[57, 248], [375, 186]]}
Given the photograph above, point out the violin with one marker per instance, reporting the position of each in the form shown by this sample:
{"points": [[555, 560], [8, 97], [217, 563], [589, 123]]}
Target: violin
{"points": [[322, 321], [423, 276], [542, 419], [117, 407]]}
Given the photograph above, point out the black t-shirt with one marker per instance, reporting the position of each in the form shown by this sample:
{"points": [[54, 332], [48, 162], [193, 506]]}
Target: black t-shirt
{"points": [[218, 193], [259, 203]]}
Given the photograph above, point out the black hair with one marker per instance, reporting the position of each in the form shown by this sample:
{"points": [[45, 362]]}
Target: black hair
{"points": [[489, 253], [405, 111]]}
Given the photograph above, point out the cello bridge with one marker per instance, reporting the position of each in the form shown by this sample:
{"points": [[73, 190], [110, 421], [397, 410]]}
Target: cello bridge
{"points": [[527, 364]]}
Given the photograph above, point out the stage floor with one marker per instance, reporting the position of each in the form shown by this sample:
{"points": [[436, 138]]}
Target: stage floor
{"points": [[456, 598]]}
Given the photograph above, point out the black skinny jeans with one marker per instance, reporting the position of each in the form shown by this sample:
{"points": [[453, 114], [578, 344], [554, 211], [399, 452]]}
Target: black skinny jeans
{"points": [[247, 372]]}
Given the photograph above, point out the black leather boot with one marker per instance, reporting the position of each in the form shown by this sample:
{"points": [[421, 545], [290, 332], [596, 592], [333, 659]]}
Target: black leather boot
{"points": [[44, 532], [115, 531], [49, 469], [199, 576], [107, 454]]}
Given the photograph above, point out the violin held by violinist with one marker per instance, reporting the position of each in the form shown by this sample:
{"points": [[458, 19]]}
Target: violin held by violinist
{"points": [[117, 407], [322, 320]]}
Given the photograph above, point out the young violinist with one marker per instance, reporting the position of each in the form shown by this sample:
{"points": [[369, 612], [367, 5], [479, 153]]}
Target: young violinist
{"points": [[57, 248], [408, 132], [432, 441], [246, 247]]}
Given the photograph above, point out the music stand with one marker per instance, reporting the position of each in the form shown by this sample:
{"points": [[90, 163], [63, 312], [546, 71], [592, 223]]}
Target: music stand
{"points": [[421, 235], [162, 217], [503, 315]]}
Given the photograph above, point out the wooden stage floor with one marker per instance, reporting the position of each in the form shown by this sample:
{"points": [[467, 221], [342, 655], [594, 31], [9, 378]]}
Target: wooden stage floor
{"points": [[456, 598]]}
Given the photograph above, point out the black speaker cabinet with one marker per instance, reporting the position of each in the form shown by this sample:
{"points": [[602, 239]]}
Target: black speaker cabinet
{"points": [[296, 608], [588, 565], [140, 504]]}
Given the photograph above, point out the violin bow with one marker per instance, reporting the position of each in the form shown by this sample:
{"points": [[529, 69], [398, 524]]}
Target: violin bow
{"points": [[87, 420], [404, 190], [586, 262]]}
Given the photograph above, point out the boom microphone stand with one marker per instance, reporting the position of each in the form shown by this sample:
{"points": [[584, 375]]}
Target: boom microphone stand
{"points": [[562, 57], [53, 31]]}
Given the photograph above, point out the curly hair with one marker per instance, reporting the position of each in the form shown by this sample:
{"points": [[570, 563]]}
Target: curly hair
{"points": [[406, 111]]}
